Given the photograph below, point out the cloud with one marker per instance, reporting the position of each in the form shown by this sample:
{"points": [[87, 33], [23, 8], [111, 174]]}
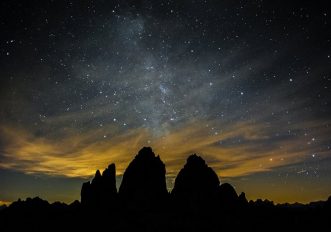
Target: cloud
{"points": [[233, 150], [5, 203]]}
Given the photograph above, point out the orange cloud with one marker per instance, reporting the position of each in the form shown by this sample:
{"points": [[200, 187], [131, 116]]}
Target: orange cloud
{"points": [[80, 154], [5, 203]]}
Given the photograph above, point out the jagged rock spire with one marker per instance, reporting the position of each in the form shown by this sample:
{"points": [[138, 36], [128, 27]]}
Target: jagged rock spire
{"points": [[101, 191], [195, 184], [144, 184]]}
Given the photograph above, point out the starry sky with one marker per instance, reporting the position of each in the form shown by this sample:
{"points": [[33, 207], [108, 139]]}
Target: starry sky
{"points": [[245, 84]]}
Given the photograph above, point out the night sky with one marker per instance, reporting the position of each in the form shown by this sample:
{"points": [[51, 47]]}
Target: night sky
{"points": [[245, 84]]}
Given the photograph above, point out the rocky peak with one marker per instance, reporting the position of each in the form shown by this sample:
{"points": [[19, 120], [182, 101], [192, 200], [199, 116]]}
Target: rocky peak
{"points": [[196, 176], [196, 185], [143, 182], [102, 189]]}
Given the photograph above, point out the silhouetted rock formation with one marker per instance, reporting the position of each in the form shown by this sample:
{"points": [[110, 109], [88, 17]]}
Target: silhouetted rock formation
{"points": [[143, 185], [102, 190], [196, 185], [228, 197], [197, 203], [30, 204], [264, 203], [242, 199]]}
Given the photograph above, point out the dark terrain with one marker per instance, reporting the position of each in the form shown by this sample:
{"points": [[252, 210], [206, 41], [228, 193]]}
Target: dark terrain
{"points": [[198, 202]]}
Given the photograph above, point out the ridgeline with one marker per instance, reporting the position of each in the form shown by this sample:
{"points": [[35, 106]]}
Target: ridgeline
{"points": [[198, 202]]}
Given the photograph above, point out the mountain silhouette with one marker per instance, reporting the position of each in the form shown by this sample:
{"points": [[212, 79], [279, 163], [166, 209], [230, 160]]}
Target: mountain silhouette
{"points": [[196, 185], [227, 196], [101, 191], [242, 199], [198, 202], [143, 185]]}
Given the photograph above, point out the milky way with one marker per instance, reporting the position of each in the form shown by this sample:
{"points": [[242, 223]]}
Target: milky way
{"points": [[245, 84]]}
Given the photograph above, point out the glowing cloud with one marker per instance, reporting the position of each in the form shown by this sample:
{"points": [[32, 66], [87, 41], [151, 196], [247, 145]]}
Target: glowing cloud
{"points": [[232, 150]]}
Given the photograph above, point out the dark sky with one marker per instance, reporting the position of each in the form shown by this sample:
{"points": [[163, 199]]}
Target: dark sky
{"points": [[245, 84]]}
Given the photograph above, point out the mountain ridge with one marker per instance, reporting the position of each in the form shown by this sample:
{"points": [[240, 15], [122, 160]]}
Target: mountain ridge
{"points": [[198, 202]]}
